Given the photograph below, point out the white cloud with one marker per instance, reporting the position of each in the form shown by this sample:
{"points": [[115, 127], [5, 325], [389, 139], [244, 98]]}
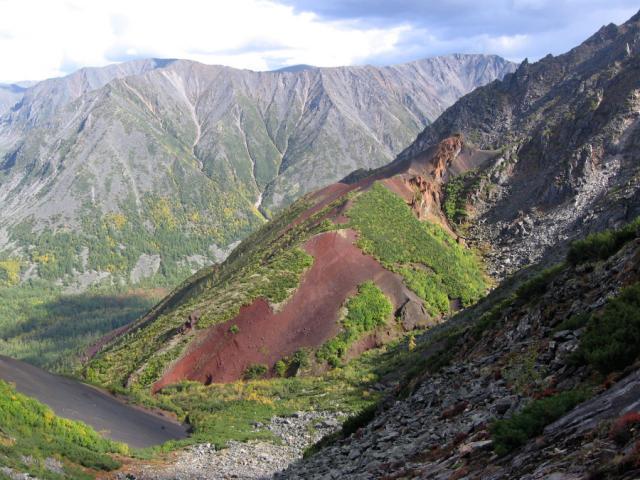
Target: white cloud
{"points": [[507, 45], [45, 38]]}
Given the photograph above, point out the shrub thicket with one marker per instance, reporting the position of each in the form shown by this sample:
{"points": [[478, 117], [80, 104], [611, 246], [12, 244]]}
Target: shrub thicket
{"points": [[429, 259], [367, 310], [538, 284], [256, 370], [456, 193], [611, 340], [601, 245], [511, 433], [38, 432]]}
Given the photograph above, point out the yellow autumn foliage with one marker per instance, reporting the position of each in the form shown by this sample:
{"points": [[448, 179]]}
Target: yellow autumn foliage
{"points": [[11, 270], [116, 220]]}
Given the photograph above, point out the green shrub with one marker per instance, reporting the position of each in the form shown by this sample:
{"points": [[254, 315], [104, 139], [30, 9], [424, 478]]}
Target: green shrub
{"points": [[490, 318], [281, 368], [301, 358], [511, 433], [391, 233], [253, 371], [601, 245], [429, 287], [234, 329], [537, 285], [289, 366], [456, 194], [359, 420], [454, 205], [574, 322], [611, 340], [366, 311]]}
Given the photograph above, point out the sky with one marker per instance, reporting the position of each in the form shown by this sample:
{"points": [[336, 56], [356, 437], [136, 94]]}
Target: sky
{"points": [[47, 38]]}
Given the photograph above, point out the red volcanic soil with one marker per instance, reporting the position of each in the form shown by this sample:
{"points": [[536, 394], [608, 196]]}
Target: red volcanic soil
{"points": [[308, 319]]}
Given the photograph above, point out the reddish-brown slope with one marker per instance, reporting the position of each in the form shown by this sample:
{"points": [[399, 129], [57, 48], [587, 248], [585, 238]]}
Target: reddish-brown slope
{"points": [[419, 181], [308, 319]]}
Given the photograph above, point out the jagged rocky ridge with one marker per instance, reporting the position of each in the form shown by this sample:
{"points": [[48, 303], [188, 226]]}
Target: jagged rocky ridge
{"points": [[157, 166], [567, 130]]}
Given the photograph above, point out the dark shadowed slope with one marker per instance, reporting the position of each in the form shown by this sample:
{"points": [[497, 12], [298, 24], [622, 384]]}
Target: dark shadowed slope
{"points": [[77, 401]]}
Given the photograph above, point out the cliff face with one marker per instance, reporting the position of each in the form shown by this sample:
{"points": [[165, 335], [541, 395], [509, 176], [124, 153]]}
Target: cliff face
{"points": [[159, 165]]}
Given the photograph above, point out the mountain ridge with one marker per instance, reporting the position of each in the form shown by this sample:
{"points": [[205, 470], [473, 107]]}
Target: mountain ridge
{"points": [[527, 354], [566, 127], [162, 148]]}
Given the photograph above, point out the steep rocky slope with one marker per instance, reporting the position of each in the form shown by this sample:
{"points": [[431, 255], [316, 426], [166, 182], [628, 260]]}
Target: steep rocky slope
{"points": [[10, 94], [538, 380], [568, 129], [529, 357], [157, 166]]}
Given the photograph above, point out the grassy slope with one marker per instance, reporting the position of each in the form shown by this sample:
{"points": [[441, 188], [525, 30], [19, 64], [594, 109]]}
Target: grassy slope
{"points": [[268, 264], [366, 311], [31, 433], [223, 412], [431, 262]]}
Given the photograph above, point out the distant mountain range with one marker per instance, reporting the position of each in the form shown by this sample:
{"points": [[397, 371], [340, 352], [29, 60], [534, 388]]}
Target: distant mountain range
{"points": [[149, 169], [10, 94]]}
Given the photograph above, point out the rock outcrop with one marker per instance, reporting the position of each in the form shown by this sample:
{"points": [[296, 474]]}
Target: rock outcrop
{"points": [[565, 133]]}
